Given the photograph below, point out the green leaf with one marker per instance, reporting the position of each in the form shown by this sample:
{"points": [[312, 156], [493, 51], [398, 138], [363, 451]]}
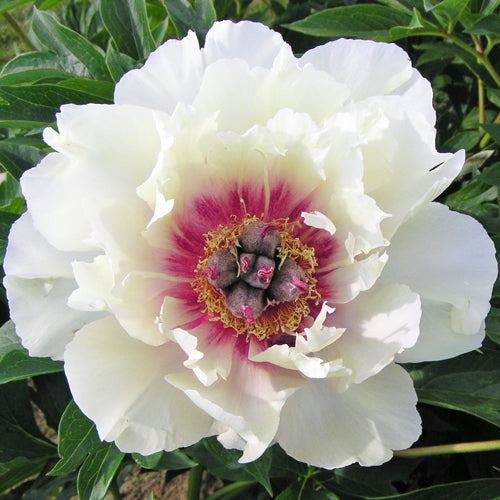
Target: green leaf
{"points": [[98, 471], [475, 198], [494, 96], [19, 434], [259, 470], [494, 130], [6, 5], [118, 63], [219, 461], [33, 67], [70, 45], [127, 23], [98, 90], [466, 139], [79, 442], [468, 383], [299, 491], [362, 21], [478, 489], [15, 363], [173, 460], [491, 175], [493, 325], [449, 11], [489, 6], [232, 491], [15, 158], [77, 438], [37, 104], [185, 16], [19, 470], [489, 25]]}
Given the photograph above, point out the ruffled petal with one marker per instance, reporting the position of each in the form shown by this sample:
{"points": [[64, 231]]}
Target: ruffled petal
{"points": [[367, 68], [248, 402], [38, 283], [379, 324], [252, 42], [449, 260], [39, 310], [328, 429], [119, 383], [171, 74], [105, 152]]}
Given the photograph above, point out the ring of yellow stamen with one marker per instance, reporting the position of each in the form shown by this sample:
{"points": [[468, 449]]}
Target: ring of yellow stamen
{"points": [[279, 318]]}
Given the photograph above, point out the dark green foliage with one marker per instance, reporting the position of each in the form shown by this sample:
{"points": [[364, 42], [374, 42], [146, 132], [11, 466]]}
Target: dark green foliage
{"points": [[80, 49]]}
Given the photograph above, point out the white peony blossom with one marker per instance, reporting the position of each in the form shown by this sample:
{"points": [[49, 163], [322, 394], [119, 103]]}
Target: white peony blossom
{"points": [[245, 245]]}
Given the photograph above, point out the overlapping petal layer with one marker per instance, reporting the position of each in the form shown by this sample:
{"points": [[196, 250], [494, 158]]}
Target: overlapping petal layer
{"points": [[335, 152]]}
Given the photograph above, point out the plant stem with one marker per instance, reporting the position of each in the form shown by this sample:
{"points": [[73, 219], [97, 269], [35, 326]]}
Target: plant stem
{"points": [[194, 483], [481, 58], [445, 449], [480, 100], [18, 30]]}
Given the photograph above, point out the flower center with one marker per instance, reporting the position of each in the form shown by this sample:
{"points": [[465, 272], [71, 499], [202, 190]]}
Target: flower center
{"points": [[256, 277]]}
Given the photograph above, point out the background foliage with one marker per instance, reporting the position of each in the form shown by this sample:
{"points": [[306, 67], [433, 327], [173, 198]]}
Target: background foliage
{"points": [[74, 51]]}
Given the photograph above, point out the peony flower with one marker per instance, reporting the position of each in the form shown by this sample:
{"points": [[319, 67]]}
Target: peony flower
{"points": [[245, 245]]}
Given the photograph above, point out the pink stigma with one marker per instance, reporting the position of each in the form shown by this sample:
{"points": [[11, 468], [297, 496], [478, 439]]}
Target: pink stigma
{"points": [[247, 313], [265, 230], [244, 264], [301, 285], [212, 273], [265, 274]]}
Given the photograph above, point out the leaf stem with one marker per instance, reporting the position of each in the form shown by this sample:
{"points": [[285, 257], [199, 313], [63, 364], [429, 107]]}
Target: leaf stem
{"points": [[194, 483], [445, 449], [18, 30]]}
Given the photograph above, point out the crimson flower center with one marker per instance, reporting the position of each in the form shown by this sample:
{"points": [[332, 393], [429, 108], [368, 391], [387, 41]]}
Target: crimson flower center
{"points": [[256, 277]]}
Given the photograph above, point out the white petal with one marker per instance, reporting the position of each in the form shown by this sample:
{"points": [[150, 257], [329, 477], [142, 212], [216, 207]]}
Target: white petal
{"points": [[346, 282], [319, 220], [378, 324], [402, 169], [248, 402], [106, 151], [29, 255], [118, 382], [252, 42], [368, 68], [43, 320], [207, 363], [324, 428], [449, 260], [437, 340], [297, 357], [38, 283], [170, 75]]}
